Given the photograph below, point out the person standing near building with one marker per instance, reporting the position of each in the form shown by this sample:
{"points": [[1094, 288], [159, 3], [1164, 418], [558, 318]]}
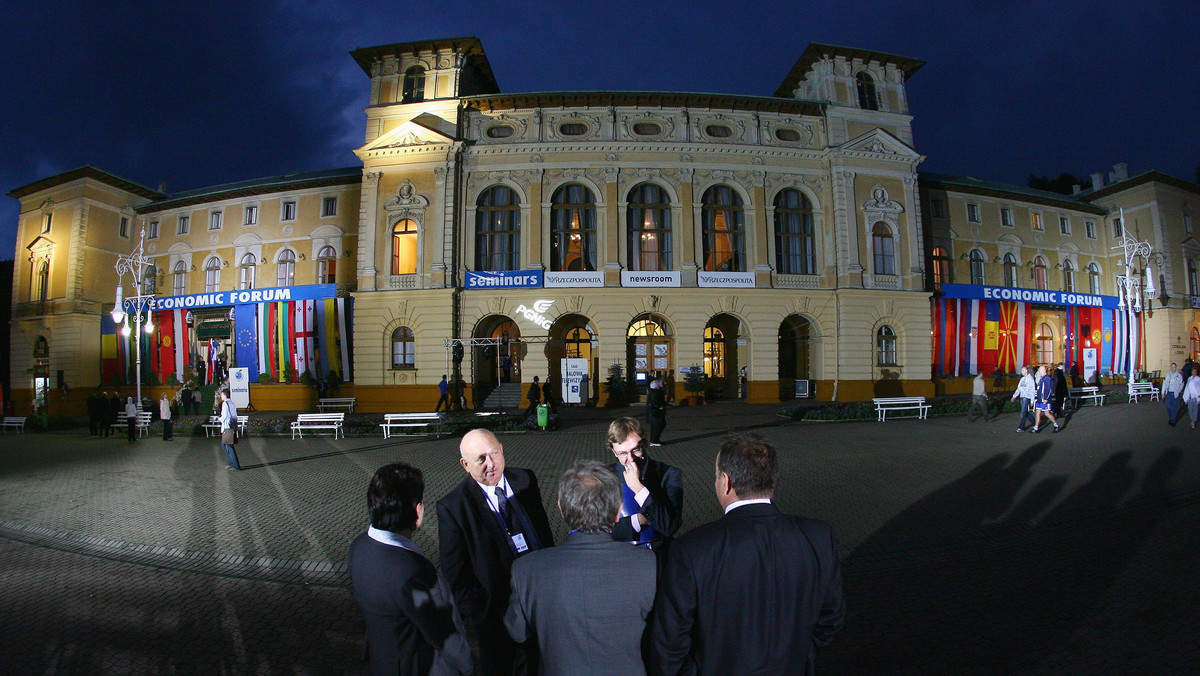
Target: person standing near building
{"points": [[1026, 390], [669, 386], [444, 388], [164, 412], [534, 396], [412, 625], [656, 411], [112, 409], [755, 592], [1043, 403], [94, 415], [1172, 390], [548, 395], [586, 600], [1191, 396], [228, 420], [1061, 390], [978, 398], [131, 418]]}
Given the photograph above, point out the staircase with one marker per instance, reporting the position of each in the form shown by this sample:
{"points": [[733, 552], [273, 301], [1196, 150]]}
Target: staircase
{"points": [[508, 396]]}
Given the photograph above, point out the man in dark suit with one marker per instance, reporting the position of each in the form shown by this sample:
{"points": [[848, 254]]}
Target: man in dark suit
{"points": [[652, 491], [586, 601], [489, 520], [755, 592], [412, 626]]}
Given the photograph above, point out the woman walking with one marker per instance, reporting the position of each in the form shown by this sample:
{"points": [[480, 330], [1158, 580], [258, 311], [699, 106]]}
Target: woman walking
{"points": [[1045, 395], [228, 420]]}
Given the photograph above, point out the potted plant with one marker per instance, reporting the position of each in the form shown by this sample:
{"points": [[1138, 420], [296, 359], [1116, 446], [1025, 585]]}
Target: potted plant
{"points": [[693, 384], [616, 387]]}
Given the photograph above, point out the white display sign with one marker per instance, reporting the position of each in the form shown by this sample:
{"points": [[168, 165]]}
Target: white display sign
{"points": [[574, 377], [665, 278], [743, 280], [239, 387], [1089, 366], [570, 279]]}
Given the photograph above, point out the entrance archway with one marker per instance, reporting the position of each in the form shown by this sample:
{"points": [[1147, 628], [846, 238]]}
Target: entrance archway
{"points": [[572, 337], [794, 336], [649, 347], [721, 356], [493, 364]]}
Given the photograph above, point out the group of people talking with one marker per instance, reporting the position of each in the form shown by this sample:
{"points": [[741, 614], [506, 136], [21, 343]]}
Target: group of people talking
{"points": [[757, 591]]}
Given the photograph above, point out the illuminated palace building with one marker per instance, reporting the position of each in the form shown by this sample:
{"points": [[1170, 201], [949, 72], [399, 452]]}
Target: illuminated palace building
{"points": [[787, 238]]}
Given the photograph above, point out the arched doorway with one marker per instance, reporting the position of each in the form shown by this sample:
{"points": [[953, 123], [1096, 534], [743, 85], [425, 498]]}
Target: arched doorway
{"points": [[794, 335], [649, 347], [572, 338], [500, 362], [721, 356]]}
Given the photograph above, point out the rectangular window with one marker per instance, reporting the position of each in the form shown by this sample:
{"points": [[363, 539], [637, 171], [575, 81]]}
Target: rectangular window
{"points": [[48, 218], [1090, 227], [214, 220], [289, 211], [1187, 223], [1064, 225], [973, 213], [1006, 218], [124, 226], [328, 206], [153, 234], [938, 207], [1117, 228], [183, 225], [1035, 220], [251, 215]]}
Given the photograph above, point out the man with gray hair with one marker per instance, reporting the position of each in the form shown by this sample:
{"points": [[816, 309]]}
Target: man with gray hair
{"points": [[585, 602]]}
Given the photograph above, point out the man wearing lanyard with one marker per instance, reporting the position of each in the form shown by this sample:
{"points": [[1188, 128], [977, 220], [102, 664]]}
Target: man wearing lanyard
{"points": [[494, 516], [652, 505]]}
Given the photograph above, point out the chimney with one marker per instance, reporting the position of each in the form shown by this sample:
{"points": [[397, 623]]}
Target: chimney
{"points": [[1121, 171], [1097, 180], [162, 187], [1076, 188]]}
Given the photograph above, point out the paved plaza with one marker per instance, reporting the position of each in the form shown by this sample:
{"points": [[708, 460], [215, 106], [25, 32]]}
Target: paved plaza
{"points": [[966, 548]]}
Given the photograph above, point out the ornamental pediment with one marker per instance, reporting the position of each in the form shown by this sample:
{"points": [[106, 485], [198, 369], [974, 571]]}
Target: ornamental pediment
{"points": [[40, 246], [407, 134], [880, 143]]}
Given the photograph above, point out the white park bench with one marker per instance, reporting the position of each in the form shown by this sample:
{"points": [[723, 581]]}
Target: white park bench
{"points": [[333, 403], [16, 422], [319, 421], [406, 420], [1091, 392], [1143, 390], [213, 426], [143, 422], [885, 404]]}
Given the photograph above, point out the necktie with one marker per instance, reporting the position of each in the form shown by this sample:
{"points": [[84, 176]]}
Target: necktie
{"points": [[505, 512]]}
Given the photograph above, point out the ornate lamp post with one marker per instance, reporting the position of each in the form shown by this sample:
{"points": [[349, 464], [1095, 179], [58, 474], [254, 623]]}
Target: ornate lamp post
{"points": [[1130, 292], [135, 265]]}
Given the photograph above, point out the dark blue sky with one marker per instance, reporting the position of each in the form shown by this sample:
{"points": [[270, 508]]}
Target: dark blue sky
{"points": [[194, 94]]}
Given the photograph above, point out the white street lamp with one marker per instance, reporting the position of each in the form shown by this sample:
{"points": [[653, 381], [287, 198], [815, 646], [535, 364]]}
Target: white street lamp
{"points": [[1130, 292], [135, 265]]}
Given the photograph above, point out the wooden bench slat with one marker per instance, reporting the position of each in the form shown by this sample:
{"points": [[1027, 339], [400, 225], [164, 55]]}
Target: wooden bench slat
{"points": [[315, 421], [399, 420], [885, 404]]}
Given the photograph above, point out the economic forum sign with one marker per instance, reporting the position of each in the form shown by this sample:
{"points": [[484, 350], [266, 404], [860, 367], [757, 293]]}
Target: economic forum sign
{"points": [[1041, 296]]}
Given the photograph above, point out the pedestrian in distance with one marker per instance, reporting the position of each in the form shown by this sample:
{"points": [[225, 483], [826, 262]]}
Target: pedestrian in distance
{"points": [[1172, 391], [1062, 390], [534, 396], [1044, 402], [656, 411], [1026, 391], [131, 419], [548, 395], [978, 398], [164, 412], [1191, 397], [228, 420], [112, 411], [444, 388], [94, 416]]}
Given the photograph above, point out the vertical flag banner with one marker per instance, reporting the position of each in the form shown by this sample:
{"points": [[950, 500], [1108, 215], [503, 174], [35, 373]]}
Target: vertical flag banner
{"points": [[180, 347], [110, 358], [245, 339], [165, 330]]}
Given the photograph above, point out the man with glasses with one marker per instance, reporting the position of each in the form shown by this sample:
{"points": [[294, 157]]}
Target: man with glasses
{"points": [[652, 491]]}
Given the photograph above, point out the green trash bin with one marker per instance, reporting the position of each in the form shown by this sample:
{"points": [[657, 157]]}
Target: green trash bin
{"points": [[543, 415]]}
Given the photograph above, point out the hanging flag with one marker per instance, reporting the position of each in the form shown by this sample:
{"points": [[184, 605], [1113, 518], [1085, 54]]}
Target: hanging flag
{"points": [[310, 341], [110, 357], [280, 338], [301, 355], [246, 339], [345, 324], [165, 330], [320, 307], [212, 361]]}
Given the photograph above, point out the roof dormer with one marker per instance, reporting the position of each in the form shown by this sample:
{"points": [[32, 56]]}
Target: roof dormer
{"points": [[430, 70], [856, 78]]}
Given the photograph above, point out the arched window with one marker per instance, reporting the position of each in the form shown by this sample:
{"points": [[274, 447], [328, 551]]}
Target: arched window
{"points": [[572, 229], [246, 271], [402, 348], [885, 341], [867, 98], [498, 230], [150, 280], [404, 247], [941, 267], [414, 85], [1010, 270], [795, 248], [41, 281], [285, 270], [649, 228], [724, 233], [884, 249], [327, 265], [1193, 286], [1068, 276], [714, 352], [1039, 273], [1045, 344], [212, 275], [179, 285], [978, 276], [1093, 278]]}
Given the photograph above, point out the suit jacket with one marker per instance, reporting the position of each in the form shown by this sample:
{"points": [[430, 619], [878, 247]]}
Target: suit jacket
{"points": [[664, 507], [586, 603], [755, 592], [476, 553], [408, 611]]}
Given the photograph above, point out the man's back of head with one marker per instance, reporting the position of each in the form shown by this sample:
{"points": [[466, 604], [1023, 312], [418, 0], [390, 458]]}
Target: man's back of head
{"points": [[751, 464], [589, 497]]}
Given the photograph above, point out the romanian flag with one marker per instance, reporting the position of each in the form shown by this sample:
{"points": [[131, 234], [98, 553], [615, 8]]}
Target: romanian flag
{"points": [[110, 358]]}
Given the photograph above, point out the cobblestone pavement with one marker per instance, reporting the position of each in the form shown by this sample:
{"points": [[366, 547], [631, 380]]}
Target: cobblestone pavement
{"points": [[967, 548]]}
